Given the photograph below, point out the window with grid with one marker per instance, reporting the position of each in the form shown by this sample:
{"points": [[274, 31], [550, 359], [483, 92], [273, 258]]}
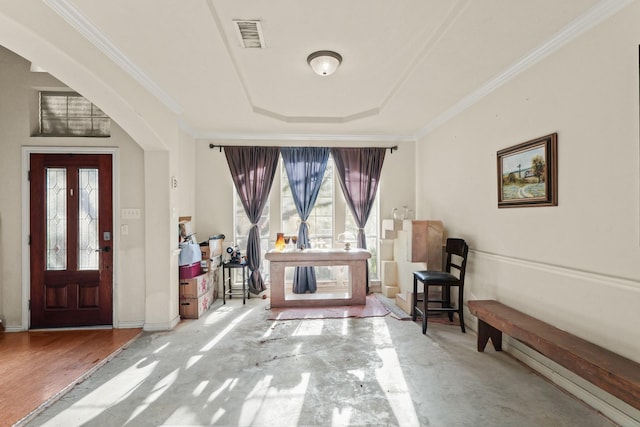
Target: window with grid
{"points": [[66, 114], [329, 218], [320, 219]]}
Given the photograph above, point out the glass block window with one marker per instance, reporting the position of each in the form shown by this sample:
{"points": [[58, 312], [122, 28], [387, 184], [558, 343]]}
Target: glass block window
{"points": [[69, 114], [56, 219]]}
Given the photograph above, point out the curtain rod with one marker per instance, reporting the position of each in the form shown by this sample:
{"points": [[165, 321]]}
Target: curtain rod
{"points": [[212, 146]]}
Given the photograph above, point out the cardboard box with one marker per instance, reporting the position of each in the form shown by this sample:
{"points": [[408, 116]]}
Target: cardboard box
{"points": [[197, 286], [185, 229], [194, 308], [189, 271], [212, 248]]}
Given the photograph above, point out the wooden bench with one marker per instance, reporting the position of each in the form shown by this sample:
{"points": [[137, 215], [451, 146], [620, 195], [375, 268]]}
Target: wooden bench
{"points": [[611, 372]]}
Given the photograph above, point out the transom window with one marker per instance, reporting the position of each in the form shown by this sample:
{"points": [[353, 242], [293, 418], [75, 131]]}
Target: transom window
{"points": [[70, 114]]}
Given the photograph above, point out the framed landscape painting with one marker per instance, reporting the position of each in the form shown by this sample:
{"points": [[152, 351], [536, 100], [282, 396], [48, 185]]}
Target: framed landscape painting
{"points": [[528, 173]]}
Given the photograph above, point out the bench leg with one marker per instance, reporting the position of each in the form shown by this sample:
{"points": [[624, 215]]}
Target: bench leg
{"points": [[486, 331]]}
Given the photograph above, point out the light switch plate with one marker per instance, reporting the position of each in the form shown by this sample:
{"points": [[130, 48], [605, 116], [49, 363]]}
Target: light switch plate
{"points": [[130, 213]]}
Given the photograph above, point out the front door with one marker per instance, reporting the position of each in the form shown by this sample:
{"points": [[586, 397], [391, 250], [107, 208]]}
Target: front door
{"points": [[71, 240]]}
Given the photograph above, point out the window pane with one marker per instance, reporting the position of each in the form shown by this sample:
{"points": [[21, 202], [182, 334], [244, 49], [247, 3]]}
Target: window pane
{"points": [[52, 106], [78, 106], [371, 232], [242, 228], [56, 219], [88, 219], [69, 114], [320, 220]]}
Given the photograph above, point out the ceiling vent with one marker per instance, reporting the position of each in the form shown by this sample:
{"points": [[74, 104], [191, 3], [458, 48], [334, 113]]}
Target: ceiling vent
{"points": [[250, 33]]}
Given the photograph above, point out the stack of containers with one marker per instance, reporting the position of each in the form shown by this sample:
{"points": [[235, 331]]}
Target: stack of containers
{"points": [[197, 293]]}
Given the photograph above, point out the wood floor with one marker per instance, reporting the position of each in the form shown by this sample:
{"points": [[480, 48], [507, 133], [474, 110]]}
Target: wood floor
{"points": [[35, 366]]}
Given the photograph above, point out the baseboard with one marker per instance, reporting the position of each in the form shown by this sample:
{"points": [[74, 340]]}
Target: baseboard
{"points": [[14, 329], [163, 326], [130, 324]]}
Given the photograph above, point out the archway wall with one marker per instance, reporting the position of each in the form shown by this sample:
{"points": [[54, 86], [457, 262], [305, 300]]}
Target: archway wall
{"points": [[37, 34]]}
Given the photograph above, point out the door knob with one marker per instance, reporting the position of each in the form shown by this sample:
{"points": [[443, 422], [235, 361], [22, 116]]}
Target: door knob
{"points": [[105, 249]]}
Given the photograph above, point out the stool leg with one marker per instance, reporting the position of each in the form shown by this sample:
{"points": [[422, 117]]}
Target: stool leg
{"points": [[224, 287], [414, 301], [447, 291], [461, 307], [425, 300], [244, 280]]}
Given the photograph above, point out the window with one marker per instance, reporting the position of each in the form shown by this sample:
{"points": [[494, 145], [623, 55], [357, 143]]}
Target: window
{"points": [[320, 221], [69, 114], [243, 225], [330, 218], [371, 232]]}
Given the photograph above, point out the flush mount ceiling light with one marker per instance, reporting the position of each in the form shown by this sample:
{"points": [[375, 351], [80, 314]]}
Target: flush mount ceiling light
{"points": [[324, 62]]}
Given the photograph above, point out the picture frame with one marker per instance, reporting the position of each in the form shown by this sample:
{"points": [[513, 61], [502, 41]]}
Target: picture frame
{"points": [[528, 173]]}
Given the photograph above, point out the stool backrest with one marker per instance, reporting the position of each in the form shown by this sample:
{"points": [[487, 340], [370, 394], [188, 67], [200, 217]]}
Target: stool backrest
{"points": [[460, 248]]}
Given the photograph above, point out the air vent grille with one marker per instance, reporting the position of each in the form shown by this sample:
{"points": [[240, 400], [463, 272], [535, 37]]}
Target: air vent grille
{"points": [[250, 33]]}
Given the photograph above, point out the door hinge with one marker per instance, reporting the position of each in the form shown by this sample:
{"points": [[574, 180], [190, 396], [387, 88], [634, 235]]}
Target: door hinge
{"points": [[29, 240], [28, 175], [29, 304]]}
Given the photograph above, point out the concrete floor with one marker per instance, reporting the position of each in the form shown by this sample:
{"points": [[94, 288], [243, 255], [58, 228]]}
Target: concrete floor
{"points": [[233, 367]]}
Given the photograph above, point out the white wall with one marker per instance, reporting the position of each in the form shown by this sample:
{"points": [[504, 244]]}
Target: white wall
{"points": [[576, 265], [16, 86], [186, 176]]}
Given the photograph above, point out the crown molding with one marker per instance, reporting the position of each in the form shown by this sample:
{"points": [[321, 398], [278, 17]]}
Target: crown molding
{"points": [[72, 15], [231, 136], [583, 23], [316, 119]]}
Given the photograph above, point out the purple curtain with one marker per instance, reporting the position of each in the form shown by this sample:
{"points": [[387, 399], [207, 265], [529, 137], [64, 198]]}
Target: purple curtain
{"points": [[252, 170], [305, 168], [359, 171]]}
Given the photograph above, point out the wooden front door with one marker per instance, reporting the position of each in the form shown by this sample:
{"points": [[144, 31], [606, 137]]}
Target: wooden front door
{"points": [[71, 240]]}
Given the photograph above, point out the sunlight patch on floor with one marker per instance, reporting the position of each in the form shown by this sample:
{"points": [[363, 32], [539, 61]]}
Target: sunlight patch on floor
{"points": [[358, 373], [391, 378], [193, 360], [309, 328], [218, 315], [200, 388], [266, 403], [158, 390], [225, 331], [162, 347], [341, 417], [345, 326], [219, 390], [104, 397], [219, 414]]}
